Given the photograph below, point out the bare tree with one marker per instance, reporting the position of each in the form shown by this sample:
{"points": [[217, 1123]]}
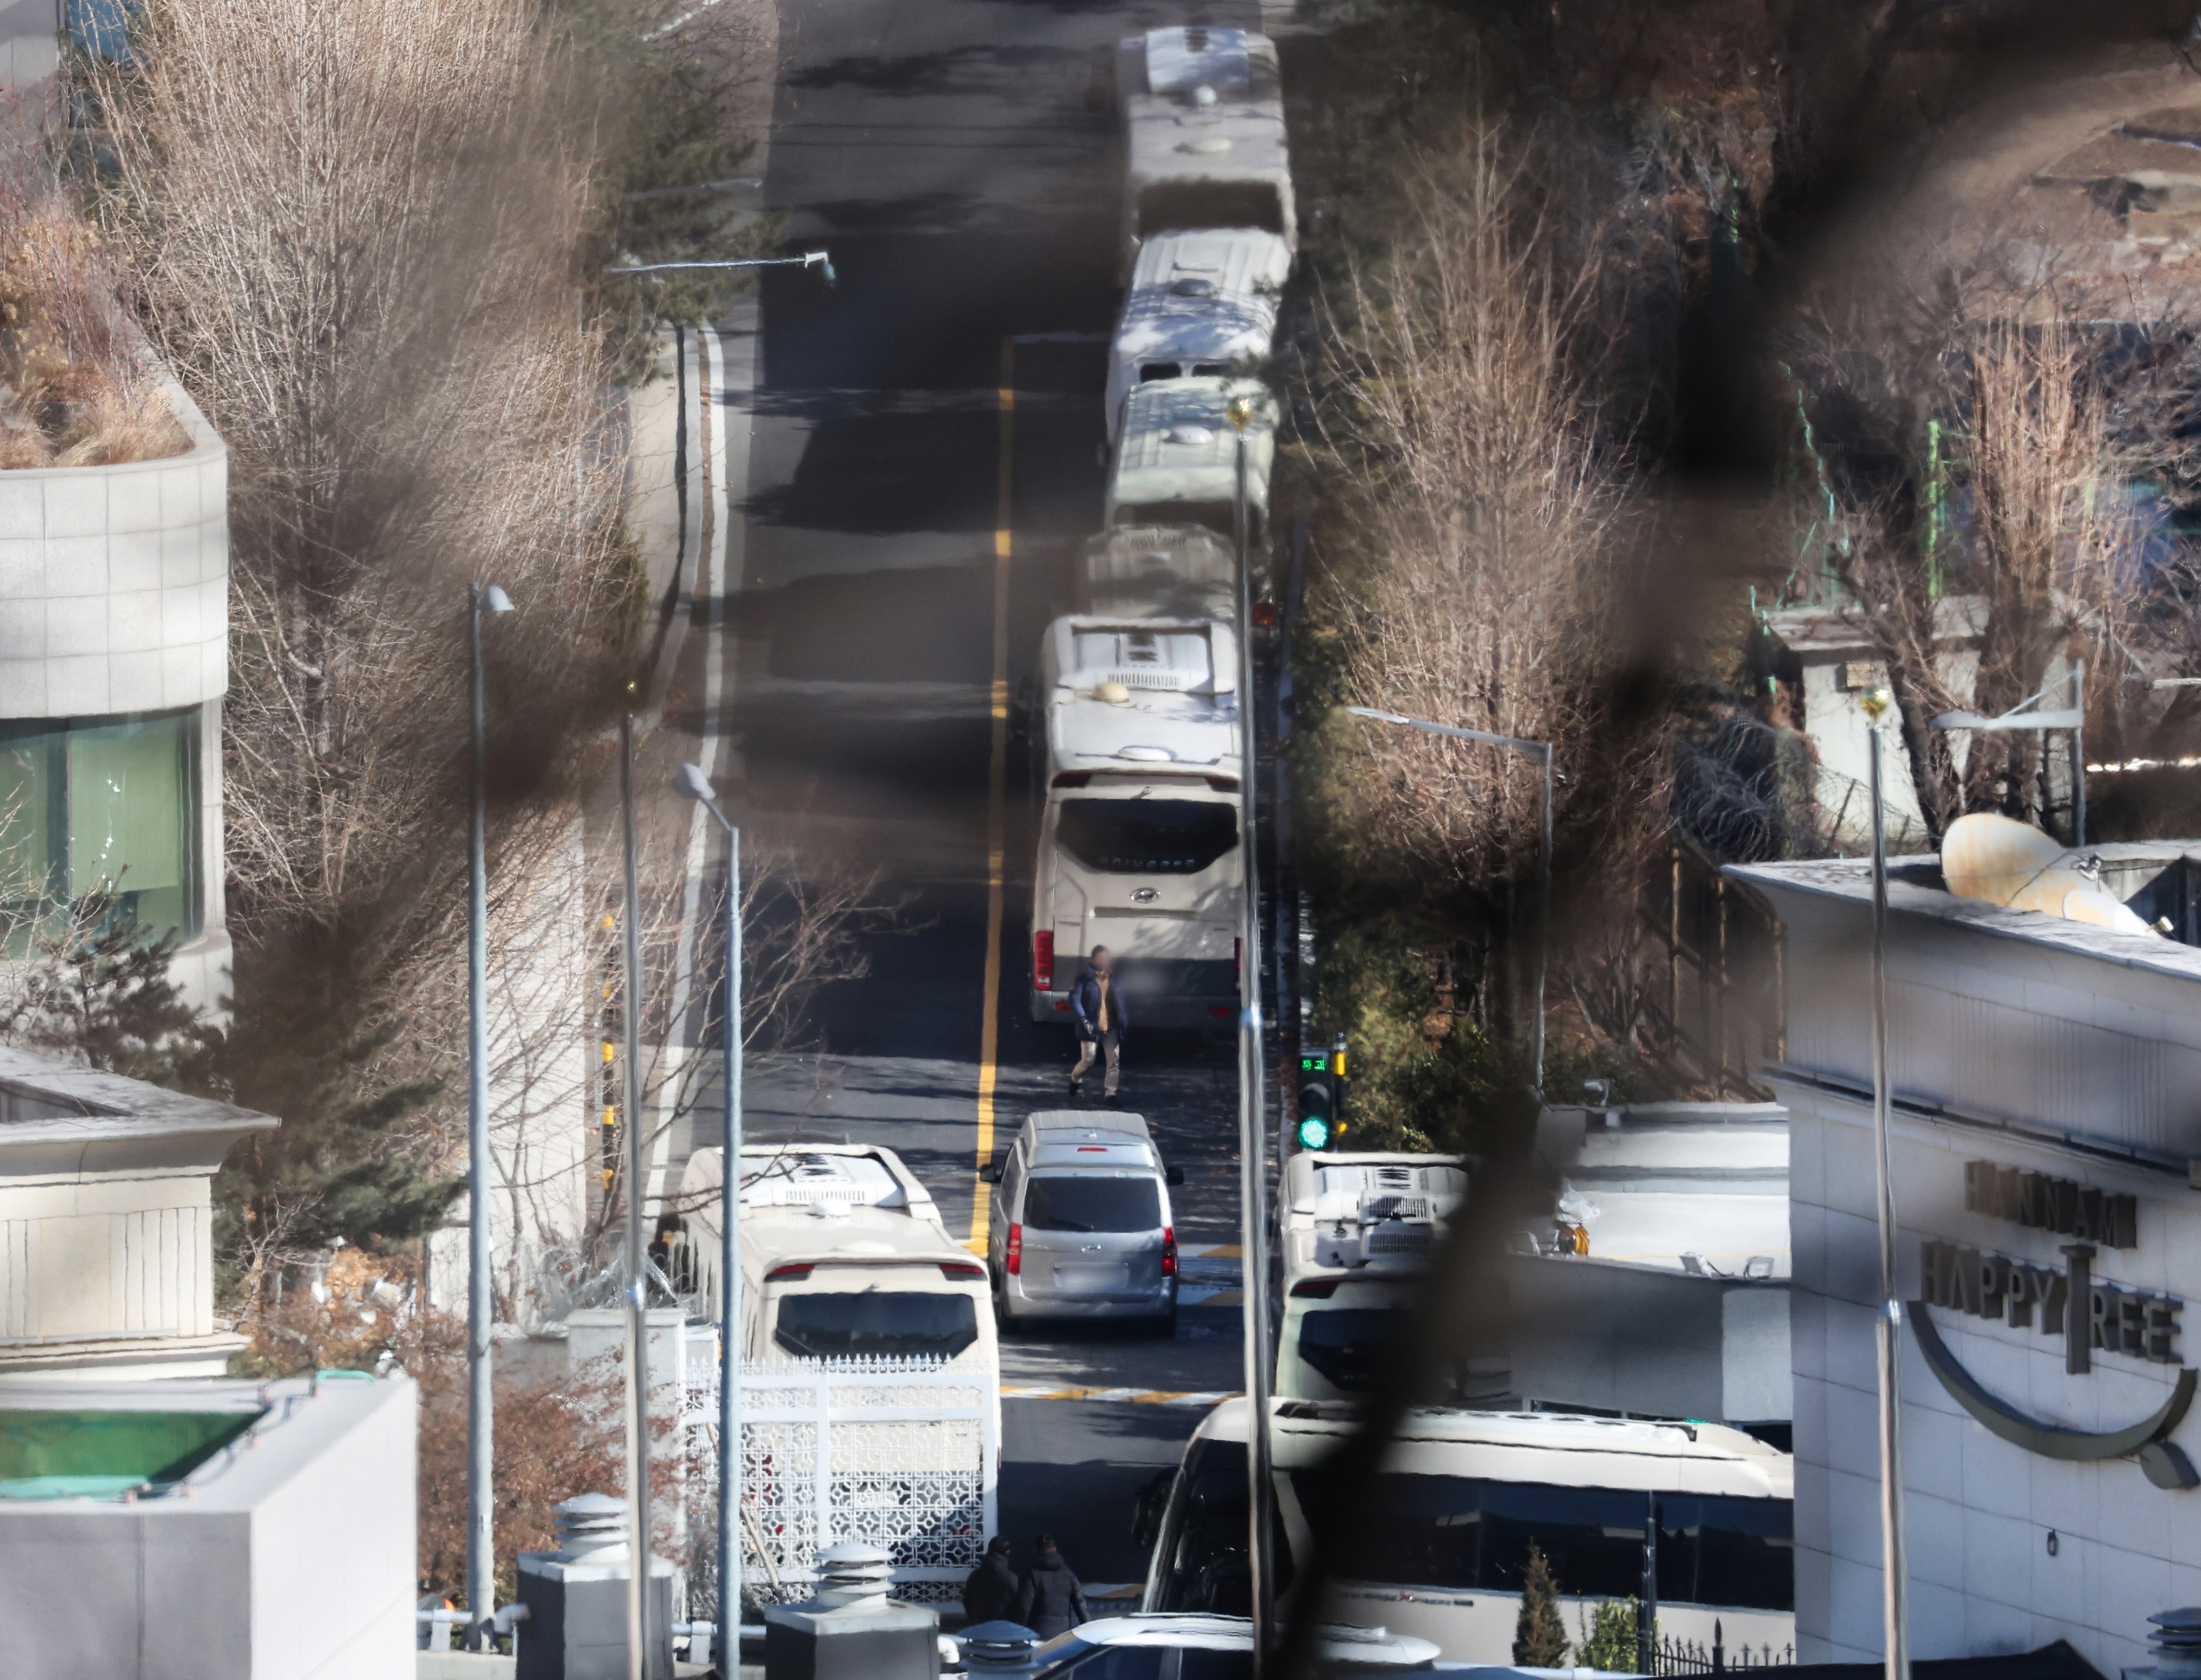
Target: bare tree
{"points": [[1474, 576]]}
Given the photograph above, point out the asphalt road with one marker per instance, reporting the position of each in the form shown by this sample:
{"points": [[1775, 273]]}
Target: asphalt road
{"points": [[948, 156]]}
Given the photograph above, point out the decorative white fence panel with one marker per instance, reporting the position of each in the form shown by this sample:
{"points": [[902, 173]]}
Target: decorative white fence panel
{"points": [[898, 1452]]}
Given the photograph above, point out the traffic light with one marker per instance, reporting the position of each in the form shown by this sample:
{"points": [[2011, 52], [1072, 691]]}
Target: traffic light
{"points": [[1322, 1092]]}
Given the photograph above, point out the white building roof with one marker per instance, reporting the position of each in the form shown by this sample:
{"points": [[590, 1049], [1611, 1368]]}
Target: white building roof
{"points": [[1177, 445], [2060, 1028]]}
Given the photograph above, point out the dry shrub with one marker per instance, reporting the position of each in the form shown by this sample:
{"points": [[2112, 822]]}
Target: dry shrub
{"points": [[553, 1441], [77, 387], [1476, 580]]}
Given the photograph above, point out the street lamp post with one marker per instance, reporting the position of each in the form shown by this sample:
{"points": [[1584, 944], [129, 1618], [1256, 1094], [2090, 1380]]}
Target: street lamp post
{"points": [[638, 1251], [1542, 751], [1253, 1140], [1877, 703], [689, 783], [481, 1303]]}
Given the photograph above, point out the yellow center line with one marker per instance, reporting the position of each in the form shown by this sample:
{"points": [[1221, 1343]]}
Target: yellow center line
{"points": [[990, 1030]]}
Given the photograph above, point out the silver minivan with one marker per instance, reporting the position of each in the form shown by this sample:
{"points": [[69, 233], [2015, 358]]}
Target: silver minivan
{"points": [[1081, 1225]]}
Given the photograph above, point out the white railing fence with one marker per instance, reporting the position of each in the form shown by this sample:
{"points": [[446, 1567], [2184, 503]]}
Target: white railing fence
{"points": [[897, 1452]]}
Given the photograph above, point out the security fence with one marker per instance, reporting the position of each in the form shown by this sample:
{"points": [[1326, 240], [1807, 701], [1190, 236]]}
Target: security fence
{"points": [[900, 1453]]}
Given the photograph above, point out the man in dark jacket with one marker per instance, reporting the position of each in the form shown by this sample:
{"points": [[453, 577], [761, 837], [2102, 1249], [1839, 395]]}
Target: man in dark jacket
{"points": [[990, 1593], [1050, 1600], [1097, 1004]]}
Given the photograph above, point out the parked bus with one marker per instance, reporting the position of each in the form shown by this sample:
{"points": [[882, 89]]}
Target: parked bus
{"points": [[1177, 457], [1357, 1233], [843, 1255], [1160, 571], [1200, 304], [1203, 136], [1138, 843], [1457, 1500]]}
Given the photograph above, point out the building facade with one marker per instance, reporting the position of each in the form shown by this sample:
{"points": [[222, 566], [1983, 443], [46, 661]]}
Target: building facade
{"points": [[113, 660], [2047, 1122], [107, 1223]]}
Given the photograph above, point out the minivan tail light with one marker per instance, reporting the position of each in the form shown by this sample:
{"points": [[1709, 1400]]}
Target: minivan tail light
{"points": [[1013, 1261], [1169, 1251], [961, 1269], [798, 1270], [1043, 960]]}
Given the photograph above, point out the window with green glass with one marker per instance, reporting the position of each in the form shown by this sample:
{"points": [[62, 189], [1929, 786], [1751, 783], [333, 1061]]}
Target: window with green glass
{"points": [[99, 805]]}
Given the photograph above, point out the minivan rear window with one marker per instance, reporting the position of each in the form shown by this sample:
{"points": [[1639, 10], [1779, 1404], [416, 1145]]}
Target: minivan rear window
{"points": [[1078, 1202], [1146, 836], [876, 1322]]}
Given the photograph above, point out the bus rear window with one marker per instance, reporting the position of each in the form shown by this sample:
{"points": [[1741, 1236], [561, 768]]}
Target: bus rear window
{"points": [[876, 1322], [1146, 836], [1346, 1344], [1195, 205]]}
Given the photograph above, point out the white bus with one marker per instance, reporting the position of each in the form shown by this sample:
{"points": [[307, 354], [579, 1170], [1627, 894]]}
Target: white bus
{"points": [[1203, 136], [1177, 457], [843, 1255], [1357, 1231], [1459, 1497], [1138, 843], [1160, 571], [1200, 304]]}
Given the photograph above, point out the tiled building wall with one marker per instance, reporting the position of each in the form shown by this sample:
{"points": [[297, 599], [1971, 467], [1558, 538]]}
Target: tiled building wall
{"points": [[1979, 1509]]}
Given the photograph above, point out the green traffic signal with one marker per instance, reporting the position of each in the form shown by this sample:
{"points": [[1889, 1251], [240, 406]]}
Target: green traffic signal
{"points": [[1314, 1132]]}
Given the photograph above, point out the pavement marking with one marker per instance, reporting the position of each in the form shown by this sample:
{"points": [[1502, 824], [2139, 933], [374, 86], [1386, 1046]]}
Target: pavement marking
{"points": [[997, 769], [1126, 1396]]}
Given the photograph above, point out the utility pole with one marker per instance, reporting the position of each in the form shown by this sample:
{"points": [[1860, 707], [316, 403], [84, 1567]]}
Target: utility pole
{"points": [[481, 1298], [1894, 1574], [1253, 1131], [637, 1248], [689, 782]]}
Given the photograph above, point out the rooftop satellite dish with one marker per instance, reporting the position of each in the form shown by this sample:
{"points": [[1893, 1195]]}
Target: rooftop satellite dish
{"points": [[1114, 693], [1145, 755], [1997, 860], [1208, 146], [1191, 434], [1193, 286]]}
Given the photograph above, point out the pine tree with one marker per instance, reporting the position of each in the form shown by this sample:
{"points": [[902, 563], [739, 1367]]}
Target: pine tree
{"points": [[1539, 1639]]}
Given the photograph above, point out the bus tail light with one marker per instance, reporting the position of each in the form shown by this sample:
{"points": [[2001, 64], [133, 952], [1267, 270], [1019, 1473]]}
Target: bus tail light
{"points": [[792, 1272], [1043, 960], [1013, 1261], [1320, 1288]]}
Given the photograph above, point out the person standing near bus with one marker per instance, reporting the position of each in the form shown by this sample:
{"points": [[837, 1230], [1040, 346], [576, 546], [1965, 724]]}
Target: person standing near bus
{"points": [[1098, 1006], [1051, 1599]]}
